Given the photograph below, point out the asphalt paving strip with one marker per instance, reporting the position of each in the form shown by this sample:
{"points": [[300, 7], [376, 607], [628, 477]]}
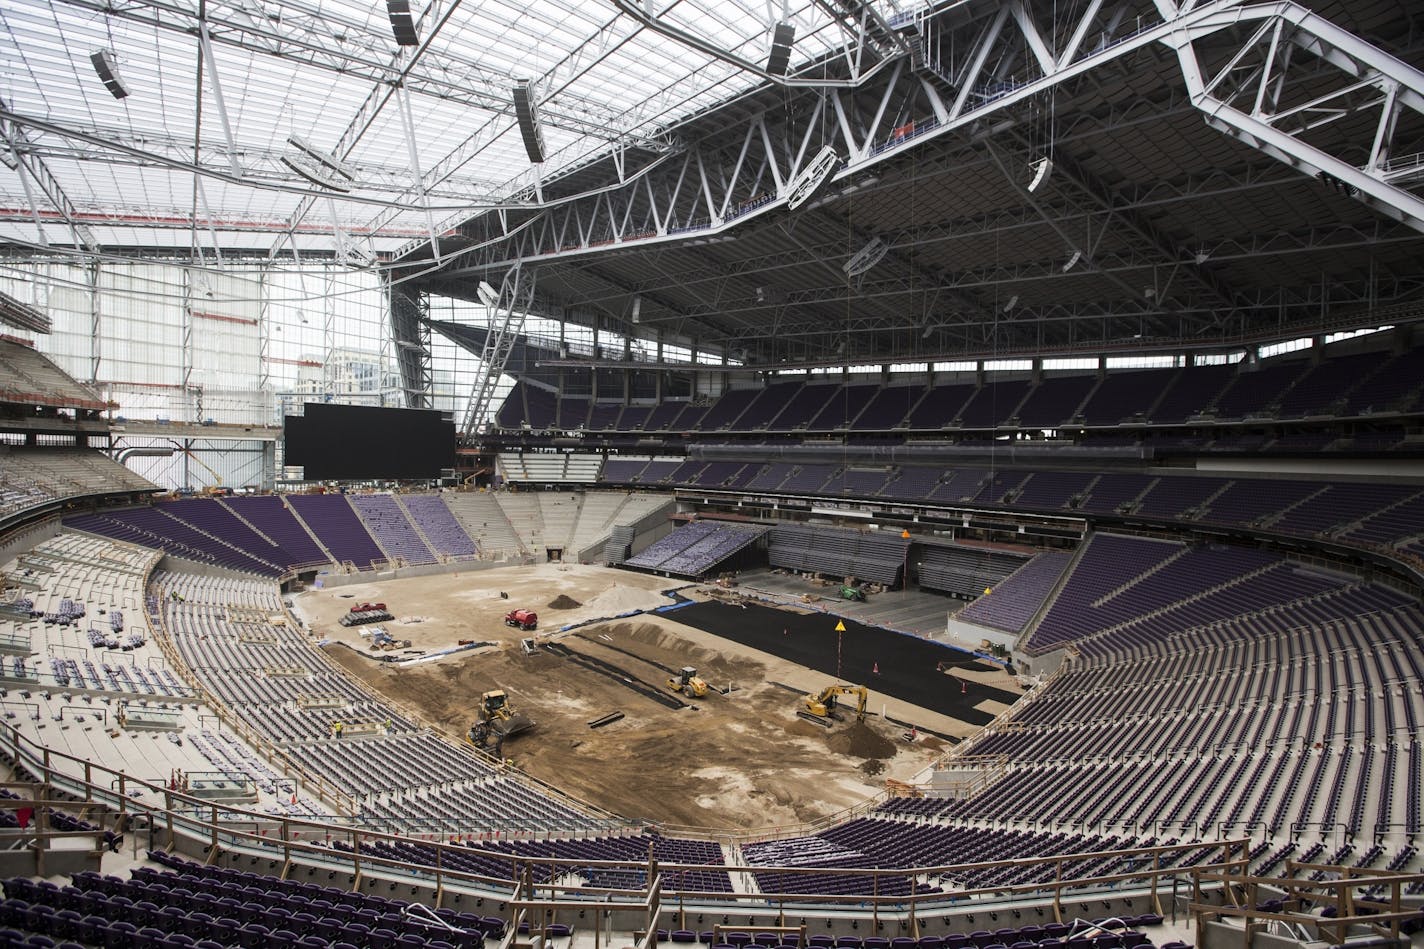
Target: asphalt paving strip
{"points": [[617, 674], [908, 668], [629, 653]]}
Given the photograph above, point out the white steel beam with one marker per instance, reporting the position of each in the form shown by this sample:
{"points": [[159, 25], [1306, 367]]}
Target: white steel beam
{"points": [[505, 326], [1362, 67], [35, 174]]}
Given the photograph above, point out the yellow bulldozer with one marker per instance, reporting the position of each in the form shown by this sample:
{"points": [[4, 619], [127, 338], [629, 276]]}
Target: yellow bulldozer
{"points": [[689, 683], [820, 707], [497, 720]]}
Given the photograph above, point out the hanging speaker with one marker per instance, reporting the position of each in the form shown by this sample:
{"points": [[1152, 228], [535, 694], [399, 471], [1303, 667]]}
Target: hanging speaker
{"points": [[781, 39], [865, 258], [314, 173], [1041, 170], [814, 178], [401, 23], [527, 113], [103, 62]]}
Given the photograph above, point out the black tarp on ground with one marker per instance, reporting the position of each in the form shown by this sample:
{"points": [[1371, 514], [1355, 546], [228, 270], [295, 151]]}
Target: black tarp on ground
{"points": [[911, 669]]}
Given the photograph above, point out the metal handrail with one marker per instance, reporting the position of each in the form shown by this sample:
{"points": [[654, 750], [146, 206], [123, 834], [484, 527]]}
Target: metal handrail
{"points": [[216, 827]]}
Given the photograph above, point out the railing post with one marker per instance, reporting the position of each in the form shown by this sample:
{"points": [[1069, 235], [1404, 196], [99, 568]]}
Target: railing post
{"points": [[41, 844], [168, 813], [875, 901], [439, 873], [1058, 890], [355, 860], [1156, 870]]}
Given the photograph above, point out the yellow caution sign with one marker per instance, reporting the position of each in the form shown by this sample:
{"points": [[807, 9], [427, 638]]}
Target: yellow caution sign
{"points": [[840, 626]]}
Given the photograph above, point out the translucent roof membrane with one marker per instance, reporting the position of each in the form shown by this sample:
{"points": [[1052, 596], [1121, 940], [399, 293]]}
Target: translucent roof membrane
{"points": [[427, 133]]}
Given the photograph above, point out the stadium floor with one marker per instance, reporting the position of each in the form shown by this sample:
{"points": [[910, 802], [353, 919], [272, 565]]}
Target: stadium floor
{"points": [[899, 665], [910, 611]]}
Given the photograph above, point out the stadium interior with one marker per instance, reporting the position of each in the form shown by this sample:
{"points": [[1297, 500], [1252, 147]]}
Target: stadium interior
{"points": [[837, 474]]}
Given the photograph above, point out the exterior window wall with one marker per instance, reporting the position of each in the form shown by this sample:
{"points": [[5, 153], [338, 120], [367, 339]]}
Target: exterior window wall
{"points": [[242, 344]]}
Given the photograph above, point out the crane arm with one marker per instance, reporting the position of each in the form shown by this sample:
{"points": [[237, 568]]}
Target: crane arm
{"points": [[217, 478]]}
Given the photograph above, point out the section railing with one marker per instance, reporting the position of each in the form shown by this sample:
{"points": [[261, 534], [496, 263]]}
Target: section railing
{"points": [[219, 829]]}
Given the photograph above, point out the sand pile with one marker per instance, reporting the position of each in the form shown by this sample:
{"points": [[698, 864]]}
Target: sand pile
{"points": [[563, 602], [619, 598], [862, 741]]}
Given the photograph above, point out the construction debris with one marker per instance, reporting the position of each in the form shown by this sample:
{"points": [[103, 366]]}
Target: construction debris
{"points": [[608, 719]]}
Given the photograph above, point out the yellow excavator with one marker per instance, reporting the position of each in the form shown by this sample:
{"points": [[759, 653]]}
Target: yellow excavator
{"points": [[497, 720], [689, 683], [821, 706]]}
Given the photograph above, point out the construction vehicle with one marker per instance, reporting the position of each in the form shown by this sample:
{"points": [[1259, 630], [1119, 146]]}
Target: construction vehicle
{"points": [[217, 478], [688, 683], [821, 706], [522, 619], [497, 721], [852, 592]]}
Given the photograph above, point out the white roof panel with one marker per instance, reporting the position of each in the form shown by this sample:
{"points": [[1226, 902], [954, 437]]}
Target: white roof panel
{"points": [[331, 72]]}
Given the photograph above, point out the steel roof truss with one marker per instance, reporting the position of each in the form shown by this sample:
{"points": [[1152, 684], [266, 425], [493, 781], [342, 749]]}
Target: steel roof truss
{"points": [[857, 128], [408, 309], [34, 173], [1261, 124], [506, 326], [210, 62], [1036, 43], [977, 62], [1128, 260], [727, 179], [719, 191], [1080, 32], [812, 124], [345, 47], [771, 158]]}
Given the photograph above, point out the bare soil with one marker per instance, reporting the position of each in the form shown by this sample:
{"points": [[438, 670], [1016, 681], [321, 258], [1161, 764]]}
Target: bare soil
{"points": [[738, 759]]}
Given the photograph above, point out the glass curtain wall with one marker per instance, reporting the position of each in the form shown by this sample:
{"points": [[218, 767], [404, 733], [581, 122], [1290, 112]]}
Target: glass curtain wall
{"points": [[238, 345]]}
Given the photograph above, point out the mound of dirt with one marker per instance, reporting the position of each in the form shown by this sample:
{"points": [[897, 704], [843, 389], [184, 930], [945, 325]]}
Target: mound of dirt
{"points": [[862, 741], [563, 602]]}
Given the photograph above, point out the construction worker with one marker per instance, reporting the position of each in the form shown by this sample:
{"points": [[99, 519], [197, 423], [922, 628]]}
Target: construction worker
{"points": [[336, 728]]}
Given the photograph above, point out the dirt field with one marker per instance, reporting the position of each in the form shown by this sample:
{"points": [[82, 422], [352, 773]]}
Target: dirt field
{"points": [[735, 761]]}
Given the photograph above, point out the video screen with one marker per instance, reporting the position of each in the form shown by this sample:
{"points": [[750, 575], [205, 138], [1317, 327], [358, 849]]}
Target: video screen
{"points": [[360, 443]]}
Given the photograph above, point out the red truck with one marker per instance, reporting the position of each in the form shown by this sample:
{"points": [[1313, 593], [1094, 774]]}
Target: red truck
{"points": [[522, 619], [369, 608]]}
